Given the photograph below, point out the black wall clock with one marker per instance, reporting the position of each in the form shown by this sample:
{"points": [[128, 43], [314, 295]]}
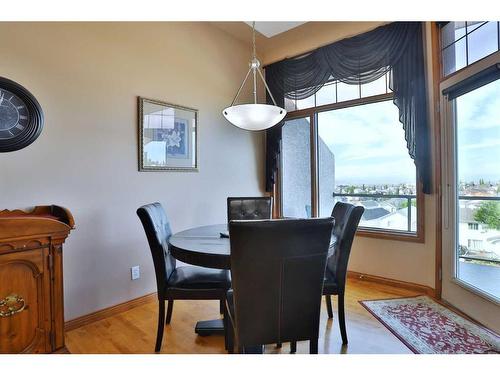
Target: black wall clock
{"points": [[21, 117]]}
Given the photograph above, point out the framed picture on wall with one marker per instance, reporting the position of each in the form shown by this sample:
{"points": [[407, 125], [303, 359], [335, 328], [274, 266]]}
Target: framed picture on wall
{"points": [[167, 137]]}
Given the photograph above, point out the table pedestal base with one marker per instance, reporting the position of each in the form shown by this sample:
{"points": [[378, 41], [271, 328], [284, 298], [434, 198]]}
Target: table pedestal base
{"points": [[210, 327], [216, 327]]}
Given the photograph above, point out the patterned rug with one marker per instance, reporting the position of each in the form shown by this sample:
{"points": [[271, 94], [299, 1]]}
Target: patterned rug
{"points": [[428, 327]]}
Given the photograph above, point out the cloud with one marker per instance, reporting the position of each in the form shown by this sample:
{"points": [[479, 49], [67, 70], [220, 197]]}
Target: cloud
{"points": [[368, 143], [484, 143], [480, 109], [478, 133]]}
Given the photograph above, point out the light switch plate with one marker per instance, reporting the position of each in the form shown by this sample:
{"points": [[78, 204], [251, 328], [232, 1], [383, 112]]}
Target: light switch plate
{"points": [[135, 272]]}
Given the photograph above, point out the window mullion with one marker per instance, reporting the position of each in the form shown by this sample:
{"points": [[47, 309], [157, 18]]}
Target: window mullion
{"points": [[314, 165]]}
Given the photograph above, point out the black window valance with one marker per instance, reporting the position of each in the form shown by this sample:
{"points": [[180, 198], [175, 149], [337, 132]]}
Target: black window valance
{"points": [[396, 48]]}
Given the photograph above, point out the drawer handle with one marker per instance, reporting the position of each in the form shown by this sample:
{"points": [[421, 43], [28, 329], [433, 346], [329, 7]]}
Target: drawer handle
{"points": [[11, 305]]}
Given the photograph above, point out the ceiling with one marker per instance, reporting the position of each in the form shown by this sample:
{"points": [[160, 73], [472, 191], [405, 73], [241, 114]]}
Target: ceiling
{"points": [[270, 29]]}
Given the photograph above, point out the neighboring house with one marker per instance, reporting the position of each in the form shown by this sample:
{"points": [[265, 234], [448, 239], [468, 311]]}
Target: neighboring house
{"points": [[391, 204], [474, 236], [380, 217], [399, 219], [372, 213], [370, 204]]}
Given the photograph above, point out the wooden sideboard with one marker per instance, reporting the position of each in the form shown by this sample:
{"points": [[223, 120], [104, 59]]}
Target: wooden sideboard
{"points": [[31, 279]]}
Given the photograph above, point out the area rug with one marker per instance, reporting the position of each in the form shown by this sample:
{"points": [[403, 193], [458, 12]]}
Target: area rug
{"points": [[428, 327]]}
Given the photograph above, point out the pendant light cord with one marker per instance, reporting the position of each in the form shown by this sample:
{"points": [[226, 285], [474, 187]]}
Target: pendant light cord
{"points": [[254, 67], [253, 40], [255, 70]]}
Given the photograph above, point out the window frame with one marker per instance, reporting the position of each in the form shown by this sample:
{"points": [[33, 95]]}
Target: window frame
{"points": [[312, 112], [449, 209]]}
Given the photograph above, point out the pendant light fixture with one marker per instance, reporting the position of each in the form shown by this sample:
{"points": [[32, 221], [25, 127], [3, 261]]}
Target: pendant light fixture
{"points": [[254, 116]]}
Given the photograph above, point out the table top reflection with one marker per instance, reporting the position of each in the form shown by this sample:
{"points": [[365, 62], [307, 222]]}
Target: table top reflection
{"points": [[205, 246]]}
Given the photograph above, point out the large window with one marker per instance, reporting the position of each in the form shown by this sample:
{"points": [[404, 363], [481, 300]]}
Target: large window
{"points": [[470, 124], [363, 160], [477, 129], [346, 144]]}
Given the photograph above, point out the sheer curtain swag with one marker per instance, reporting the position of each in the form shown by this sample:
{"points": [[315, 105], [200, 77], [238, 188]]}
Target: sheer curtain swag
{"points": [[396, 48]]}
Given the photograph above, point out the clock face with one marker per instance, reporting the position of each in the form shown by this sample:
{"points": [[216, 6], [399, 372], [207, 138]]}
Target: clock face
{"points": [[21, 116], [14, 115]]}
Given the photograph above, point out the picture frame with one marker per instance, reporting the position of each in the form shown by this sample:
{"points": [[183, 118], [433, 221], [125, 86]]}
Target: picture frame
{"points": [[168, 136]]}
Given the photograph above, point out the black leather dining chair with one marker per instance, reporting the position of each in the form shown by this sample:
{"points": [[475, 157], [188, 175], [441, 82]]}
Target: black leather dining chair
{"points": [[347, 217], [249, 208], [278, 298], [187, 282]]}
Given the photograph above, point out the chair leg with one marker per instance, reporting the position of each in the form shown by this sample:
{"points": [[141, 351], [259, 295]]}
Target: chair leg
{"points": [[161, 324], [343, 331], [313, 346], [221, 306], [293, 347], [228, 332], [169, 311], [226, 328], [328, 300]]}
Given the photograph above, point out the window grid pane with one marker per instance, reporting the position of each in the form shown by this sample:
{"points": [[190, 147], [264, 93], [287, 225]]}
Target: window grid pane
{"points": [[337, 92], [306, 103], [376, 87], [452, 32], [455, 57], [483, 41], [464, 43], [327, 94]]}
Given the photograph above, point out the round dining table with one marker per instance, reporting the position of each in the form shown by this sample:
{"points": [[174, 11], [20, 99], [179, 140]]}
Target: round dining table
{"points": [[207, 246]]}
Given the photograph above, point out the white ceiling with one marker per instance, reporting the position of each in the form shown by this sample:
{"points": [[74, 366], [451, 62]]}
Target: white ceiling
{"points": [[270, 29]]}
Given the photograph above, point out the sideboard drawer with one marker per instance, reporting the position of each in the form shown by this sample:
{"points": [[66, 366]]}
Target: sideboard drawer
{"points": [[24, 288]]}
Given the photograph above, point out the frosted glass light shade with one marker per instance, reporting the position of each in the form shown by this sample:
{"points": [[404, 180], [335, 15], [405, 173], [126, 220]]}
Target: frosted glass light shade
{"points": [[254, 116]]}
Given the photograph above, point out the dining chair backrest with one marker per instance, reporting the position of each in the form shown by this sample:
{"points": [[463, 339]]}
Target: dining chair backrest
{"points": [[249, 208], [347, 217], [277, 270], [157, 228]]}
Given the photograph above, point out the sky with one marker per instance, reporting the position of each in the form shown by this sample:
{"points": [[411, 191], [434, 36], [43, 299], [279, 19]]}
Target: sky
{"points": [[368, 143], [369, 146], [478, 134], [477, 112]]}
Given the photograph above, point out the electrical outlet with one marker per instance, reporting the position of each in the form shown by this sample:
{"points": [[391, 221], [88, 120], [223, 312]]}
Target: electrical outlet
{"points": [[135, 272]]}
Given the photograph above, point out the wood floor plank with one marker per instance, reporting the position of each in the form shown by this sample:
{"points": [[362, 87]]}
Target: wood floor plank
{"points": [[134, 331]]}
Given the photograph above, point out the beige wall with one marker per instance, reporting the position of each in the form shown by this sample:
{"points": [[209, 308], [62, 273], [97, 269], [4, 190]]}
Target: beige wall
{"points": [[87, 77]]}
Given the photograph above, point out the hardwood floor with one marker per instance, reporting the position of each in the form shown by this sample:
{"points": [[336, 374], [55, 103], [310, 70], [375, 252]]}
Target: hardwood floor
{"points": [[134, 331]]}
